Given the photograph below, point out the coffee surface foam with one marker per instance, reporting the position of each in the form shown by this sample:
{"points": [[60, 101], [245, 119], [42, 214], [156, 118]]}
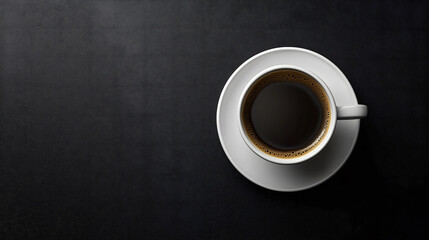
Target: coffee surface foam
{"points": [[293, 76]]}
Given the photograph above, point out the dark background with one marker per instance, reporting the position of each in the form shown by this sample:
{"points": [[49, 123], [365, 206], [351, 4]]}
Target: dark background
{"points": [[108, 129]]}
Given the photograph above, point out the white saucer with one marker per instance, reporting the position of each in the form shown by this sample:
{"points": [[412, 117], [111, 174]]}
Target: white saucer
{"points": [[293, 177]]}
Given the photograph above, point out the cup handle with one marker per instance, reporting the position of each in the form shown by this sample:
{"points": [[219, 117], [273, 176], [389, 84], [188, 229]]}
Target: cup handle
{"points": [[352, 112]]}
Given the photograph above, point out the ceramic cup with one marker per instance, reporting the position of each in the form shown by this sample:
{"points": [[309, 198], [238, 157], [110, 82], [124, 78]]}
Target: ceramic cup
{"points": [[336, 113]]}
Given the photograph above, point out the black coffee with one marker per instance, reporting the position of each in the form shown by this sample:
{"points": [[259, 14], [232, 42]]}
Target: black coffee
{"points": [[285, 113]]}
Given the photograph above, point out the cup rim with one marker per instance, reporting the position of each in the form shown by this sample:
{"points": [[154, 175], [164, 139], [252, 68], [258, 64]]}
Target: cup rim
{"points": [[312, 153]]}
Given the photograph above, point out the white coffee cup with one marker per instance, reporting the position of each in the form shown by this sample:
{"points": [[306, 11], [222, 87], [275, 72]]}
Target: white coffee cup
{"points": [[336, 113]]}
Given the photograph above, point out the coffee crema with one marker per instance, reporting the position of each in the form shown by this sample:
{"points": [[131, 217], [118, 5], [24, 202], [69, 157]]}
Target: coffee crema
{"points": [[286, 113]]}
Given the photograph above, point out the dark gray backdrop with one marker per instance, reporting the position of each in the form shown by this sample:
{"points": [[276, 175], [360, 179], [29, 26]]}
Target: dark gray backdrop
{"points": [[107, 119]]}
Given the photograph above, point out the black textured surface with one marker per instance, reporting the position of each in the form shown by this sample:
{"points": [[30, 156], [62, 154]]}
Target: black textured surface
{"points": [[107, 120]]}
